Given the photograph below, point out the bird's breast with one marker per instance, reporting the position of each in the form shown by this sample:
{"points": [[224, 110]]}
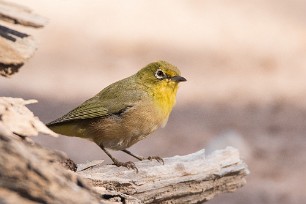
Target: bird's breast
{"points": [[143, 119], [120, 132]]}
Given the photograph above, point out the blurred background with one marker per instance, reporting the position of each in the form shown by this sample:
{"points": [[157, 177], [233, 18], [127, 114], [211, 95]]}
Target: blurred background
{"points": [[245, 62]]}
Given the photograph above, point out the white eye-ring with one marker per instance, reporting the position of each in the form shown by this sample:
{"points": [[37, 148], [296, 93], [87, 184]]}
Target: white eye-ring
{"points": [[159, 74]]}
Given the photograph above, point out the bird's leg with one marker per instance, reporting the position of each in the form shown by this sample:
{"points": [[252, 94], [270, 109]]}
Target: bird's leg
{"points": [[129, 164], [140, 158]]}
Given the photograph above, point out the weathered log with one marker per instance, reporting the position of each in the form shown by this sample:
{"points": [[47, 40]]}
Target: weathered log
{"points": [[182, 179], [28, 172], [16, 47], [17, 118], [31, 174]]}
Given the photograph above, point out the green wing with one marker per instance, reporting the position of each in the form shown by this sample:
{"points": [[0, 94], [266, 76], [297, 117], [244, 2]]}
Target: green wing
{"points": [[89, 109], [114, 99]]}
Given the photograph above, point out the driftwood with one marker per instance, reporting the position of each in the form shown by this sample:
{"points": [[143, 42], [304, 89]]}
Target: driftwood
{"points": [[16, 47], [30, 173], [182, 179], [18, 119]]}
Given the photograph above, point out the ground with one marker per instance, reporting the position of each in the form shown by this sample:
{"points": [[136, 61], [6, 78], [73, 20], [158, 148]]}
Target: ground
{"points": [[245, 62]]}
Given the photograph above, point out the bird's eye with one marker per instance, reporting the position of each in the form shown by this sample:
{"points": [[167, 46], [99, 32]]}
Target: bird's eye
{"points": [[160, 74]]}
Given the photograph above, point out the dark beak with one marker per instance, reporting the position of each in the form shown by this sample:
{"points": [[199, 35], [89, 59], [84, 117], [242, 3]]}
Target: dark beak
{"points": [[178, 79]]}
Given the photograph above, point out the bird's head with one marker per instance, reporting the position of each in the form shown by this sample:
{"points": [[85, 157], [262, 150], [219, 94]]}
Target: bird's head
{"points": [[160, 75]]}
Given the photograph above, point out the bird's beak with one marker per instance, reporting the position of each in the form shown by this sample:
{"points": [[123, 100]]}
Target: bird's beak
{"points": [[178, 79]]}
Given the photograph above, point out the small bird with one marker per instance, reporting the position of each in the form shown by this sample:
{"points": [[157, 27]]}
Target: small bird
{"points": [[126, 111]]}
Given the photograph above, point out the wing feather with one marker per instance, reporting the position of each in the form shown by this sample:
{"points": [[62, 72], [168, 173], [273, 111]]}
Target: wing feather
{"points": [[109, 101], [89, 109]]}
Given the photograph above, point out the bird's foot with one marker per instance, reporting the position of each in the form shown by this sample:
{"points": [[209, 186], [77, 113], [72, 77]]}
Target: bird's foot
{"points": [[128, 165], [140, 158], [157, 158]]}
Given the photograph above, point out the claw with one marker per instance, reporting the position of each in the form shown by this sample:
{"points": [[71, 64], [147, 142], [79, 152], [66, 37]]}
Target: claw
{"points": [[157, 158], [140, 158], [128, 165]]}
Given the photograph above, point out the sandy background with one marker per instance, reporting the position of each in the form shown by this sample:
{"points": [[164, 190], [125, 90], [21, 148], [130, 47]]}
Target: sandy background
{"points": [[245, 62]]}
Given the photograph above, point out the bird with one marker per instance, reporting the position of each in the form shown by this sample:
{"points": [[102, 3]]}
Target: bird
{"points": [[125, 112]]}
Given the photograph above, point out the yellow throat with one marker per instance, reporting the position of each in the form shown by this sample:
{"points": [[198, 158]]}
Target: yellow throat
{"points": [[164, 96]]}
